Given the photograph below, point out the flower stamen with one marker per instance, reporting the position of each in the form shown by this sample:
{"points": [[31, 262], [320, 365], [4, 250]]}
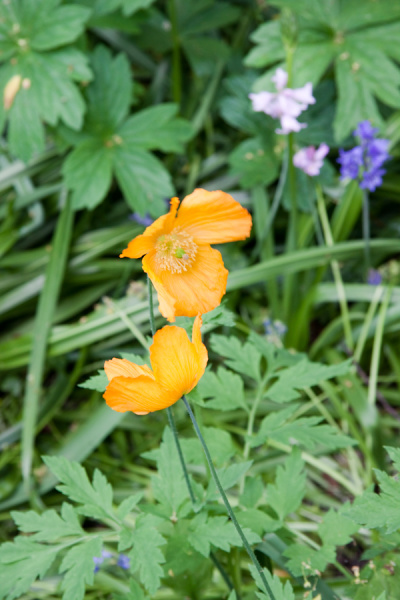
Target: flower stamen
{"points": [[175, 251]]}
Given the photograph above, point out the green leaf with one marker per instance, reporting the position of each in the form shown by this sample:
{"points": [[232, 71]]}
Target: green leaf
{"points": [[280, 591], [128, 7], [219, 442], [253, 491], [169, 486], [286, 494], [96, 382], [110, 93], [146, 555], [128, 505], [49, 526], [88, 172], [143, 180], [224, 388], [157, 128], [255, 162], [96, 498], [21, 563], [228, 477], [316, 560], [216, 531], [243, 358], [270, 47], [79, 568], [301, 375], [58, 27], [305, 431], [258, 521], [336, 529], [135, 593], [236, 107]]}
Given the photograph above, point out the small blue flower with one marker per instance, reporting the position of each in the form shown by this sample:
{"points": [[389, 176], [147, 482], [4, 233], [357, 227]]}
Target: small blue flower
{"points": [[374, 277], [98, 560], [364, 162], [124, 561], [146, 220]]}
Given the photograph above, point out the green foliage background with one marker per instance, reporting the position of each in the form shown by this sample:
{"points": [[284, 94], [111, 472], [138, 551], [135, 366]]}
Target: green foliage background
{"points": [[120, 105]]}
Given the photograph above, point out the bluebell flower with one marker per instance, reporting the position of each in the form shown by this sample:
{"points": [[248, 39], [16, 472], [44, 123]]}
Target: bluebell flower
{"points": [[374, 277], [364, 162], [124, 561]]}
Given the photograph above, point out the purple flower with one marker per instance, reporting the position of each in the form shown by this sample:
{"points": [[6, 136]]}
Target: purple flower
{"points": [[374, 277], [286, 104], [351, 161], [146, 220], [365, 131], [372, 179], [311, 159], [364, 162], [98, 560], [124, 561]]}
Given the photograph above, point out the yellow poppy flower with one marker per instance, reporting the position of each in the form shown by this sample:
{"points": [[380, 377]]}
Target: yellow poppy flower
{"points": [[177, 365], [189, 275]]}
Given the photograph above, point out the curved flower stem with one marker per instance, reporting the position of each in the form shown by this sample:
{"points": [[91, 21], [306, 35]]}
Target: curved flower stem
{"points": [[172, 425], [226, 501], [366, 231], [348, 334]]}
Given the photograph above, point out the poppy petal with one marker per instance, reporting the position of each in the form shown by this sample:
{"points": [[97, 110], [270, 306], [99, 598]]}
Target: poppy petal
{"points": [[139, 395], [117, 367], [200, 347], [213, 217], [175, 360], [142, 244], [192, 292]]}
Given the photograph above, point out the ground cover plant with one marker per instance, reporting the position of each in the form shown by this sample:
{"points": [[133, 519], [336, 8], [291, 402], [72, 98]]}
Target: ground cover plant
{"points": [[199, 300]]}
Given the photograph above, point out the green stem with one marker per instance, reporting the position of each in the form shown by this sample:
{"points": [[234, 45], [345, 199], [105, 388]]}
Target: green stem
{"points": [[250, 426], [348, 334], [376, 349], [362, 338], [176, 55], [226, 501], [178, 446], [366, 231], [291, 240]]}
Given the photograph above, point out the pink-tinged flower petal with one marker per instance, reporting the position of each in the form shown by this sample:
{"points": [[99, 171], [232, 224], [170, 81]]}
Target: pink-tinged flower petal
{"points": [[289, 124], [262, 101], [280, 79], [322, 151], [288, 106], [303, 94], [310, 160]]}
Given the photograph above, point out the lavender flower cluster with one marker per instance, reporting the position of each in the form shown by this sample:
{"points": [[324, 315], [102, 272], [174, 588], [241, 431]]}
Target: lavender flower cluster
{"points": [[123, 560], [364, 162]]}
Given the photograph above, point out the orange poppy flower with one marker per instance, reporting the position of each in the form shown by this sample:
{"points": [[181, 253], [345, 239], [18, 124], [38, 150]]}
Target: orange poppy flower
{"points": [[177, 364], [189, 275]]}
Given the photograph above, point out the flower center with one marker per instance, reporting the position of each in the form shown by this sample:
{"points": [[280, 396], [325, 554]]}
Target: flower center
{"points": [[175, 251]]}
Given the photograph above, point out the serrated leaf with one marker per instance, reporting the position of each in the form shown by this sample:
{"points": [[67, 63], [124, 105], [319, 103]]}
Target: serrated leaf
{"points": [[280, 591], [143, 179], [216, 531], [146, 555], [219, 442], [169, 485], [287, 493], [128, 505], [96, 498], [228, 477], [88, 173], [336, 529], [128, 7], [301, 375], [58, 27], [306, 431], [49, 526], [78, 566], [270, 47], [243, 358], [25, 561], [157, 128], [224, 389], [110, 93], [316, 560], [258, 521], [96, 382]]}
